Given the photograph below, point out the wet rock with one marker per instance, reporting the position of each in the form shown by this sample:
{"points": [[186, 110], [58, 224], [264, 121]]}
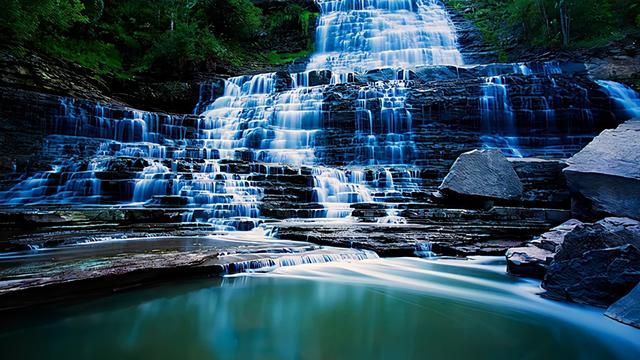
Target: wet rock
{"points": [[98, 268], [534, 259], [529, 261], [543, 183], [605, 176], [168, 201], [283, 81], [377, 75], [597, 263], [599, 277], [319, 77], [606, 233], [452, 232], [484, 174], [627, 309]]}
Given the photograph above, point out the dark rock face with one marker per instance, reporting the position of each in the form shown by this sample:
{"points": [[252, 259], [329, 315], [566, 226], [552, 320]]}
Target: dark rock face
{"points": [[627, 309], [451, 232], [473, 47], [542, 181], [102, 269], [45, 74], [607, 233], [534, 259], [605, 175], [598, 278], [597, 263], [482, 173]]}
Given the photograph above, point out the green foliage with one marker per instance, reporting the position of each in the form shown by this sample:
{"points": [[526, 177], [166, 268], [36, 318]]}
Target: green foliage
{"points": [[552, 23], [276, 58], [25, 20], [234, 19], [130, 37], [186, 44], [291, 17], [100, 56]]}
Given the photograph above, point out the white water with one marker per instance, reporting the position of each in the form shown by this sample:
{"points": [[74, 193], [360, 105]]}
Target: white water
{"points": [[624, 96], [256, 121], [360, 35]]}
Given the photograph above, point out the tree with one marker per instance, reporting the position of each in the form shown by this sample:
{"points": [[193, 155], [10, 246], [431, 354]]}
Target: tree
{"points": [[565, 20], [24, 20]]}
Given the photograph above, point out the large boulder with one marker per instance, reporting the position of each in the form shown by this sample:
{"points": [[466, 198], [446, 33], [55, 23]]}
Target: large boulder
{"points": [[482, 174], [605, 176], [627, 309], [534, 259], [597, 263], [607, 233]]}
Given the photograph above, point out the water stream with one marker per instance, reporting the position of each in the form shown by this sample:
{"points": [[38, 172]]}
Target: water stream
{"points": [[374, 309]]}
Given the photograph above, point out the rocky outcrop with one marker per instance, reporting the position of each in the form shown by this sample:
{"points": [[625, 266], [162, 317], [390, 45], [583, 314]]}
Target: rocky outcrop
{"points": [[290, 36], [543, 183], [473, 48], [534, 259], [482, 174], [605, 176], [451, 232], [23, 69], [597, 263], [627, 309], [99, 269]]}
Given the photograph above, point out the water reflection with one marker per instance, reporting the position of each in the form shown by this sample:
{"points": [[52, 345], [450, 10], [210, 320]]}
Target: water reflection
{"points": [[387, 309]]}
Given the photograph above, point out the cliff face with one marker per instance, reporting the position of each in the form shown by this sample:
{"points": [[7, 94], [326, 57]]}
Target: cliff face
{"points": [[549, 115]]}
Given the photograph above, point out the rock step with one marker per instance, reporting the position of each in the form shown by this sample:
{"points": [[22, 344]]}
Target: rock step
{"points": [[402, 240]]}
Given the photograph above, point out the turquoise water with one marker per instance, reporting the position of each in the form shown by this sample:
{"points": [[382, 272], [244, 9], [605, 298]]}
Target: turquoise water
{"points": [[374, 309]]}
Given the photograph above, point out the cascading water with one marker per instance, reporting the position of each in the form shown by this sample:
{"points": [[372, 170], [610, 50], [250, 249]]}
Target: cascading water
{"points": [[356, 36], [500, 117], [335, 190], [627, 98], [276, 118], [383, 137]]}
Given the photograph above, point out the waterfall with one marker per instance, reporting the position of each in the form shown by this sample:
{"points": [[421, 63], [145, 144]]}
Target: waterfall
{"points": [[424, 249], [315, 257], [499, 115], [356, 36], [383, 137], [627, 98], [336, 191], [130, 158], [155, 181]]}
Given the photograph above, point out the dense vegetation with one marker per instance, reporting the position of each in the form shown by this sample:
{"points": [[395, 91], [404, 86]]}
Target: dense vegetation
{"points": [[552, 23], [126, 38]]}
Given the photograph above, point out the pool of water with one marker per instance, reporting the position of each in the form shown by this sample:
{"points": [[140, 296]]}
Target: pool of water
{"points": [[375, 309]]}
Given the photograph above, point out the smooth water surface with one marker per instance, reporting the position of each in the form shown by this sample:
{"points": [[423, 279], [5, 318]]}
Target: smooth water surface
{"points": [[375, 309]]}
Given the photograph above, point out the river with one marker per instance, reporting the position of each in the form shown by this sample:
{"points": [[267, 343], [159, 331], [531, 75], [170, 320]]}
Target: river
{"points": [[396, 308]]}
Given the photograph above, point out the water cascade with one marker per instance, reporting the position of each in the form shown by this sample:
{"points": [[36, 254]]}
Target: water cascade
{"points": [[317, 257], [111, 155], [356, 36], [383, 136], [503, 113], [627, 98]]}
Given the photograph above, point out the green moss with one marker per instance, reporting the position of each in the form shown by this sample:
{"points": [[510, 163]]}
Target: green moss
{"points": [[305, 18], [285, 58], [102, 57]]}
